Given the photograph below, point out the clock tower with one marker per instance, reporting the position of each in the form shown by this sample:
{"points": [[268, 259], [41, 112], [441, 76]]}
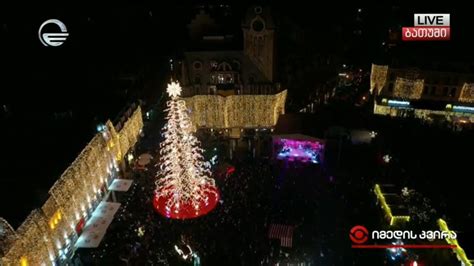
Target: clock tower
{"points": [[259, 38]]}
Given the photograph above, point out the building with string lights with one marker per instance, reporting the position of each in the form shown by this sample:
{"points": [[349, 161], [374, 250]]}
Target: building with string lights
{"points": [[228, 74], [229, 59], [51, 233], [427, 95]]}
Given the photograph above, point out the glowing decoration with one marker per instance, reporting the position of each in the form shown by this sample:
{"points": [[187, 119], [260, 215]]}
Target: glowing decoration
{"points": [[460, 254], [174, 89], [24, 261], [100, 128], [236, 111], [184, 256], [230, 170], [214, 160], [463, 109], [467, 93], [378, 78], [387, 158], [398, 103], [408, 88], [141, 231], [373, 134], [396, 253], [130, 157], [386, 208], [184, 188], [55, 219]]}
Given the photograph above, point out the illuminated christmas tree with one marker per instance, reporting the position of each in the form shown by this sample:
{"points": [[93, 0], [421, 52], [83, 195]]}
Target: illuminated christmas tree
{"points": [[184, 188]]}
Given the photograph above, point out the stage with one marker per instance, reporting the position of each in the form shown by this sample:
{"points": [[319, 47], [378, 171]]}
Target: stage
{"points": [[298, 147]]}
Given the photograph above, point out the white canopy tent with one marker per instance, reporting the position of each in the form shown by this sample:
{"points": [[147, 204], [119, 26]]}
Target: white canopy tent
{"points": [[121, 185], [96, 226]]}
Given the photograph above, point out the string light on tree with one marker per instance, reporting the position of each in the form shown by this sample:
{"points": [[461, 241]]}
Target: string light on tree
{"points": [[184, 188]]}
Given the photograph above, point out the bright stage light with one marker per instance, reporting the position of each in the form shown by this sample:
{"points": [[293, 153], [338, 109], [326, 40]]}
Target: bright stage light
{"points": [[301, 150]]}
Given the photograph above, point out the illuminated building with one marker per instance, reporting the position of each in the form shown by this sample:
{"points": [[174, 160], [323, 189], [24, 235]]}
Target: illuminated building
{"points": [[390, 212], [236, 112], [460, 254], [228, 73], [216, 62], [427, 95], [47, 235]]}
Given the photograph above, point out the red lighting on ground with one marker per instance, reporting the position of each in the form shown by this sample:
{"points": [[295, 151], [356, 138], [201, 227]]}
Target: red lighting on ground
{"points": [[186, 209], [230, 170]]}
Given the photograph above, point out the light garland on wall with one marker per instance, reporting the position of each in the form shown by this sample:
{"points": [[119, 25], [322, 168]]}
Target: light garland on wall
{"points": [[467, 93], [236, 111], [41, 236], [378, 78], [393, 219], [7, 235], [460, 253], [408, 88]]}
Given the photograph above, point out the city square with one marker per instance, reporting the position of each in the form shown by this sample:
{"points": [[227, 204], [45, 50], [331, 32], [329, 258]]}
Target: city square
{"points": [[247, 142]]}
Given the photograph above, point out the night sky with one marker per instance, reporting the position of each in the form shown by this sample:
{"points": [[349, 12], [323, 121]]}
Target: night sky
{"points": [[53, 97]]}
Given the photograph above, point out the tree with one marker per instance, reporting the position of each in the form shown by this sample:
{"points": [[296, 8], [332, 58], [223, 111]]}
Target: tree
{"points": [[184, 188]]}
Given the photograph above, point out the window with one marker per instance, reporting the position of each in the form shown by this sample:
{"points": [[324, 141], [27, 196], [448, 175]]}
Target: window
{"points": [[224, 66], [425, 90], [258, 25], [452, 93], [197, 80], [455, 80], [251, 79], [197, 65], [258, 10], [392, 76], [222, 78], [213, 65], [236, 65], [445, 91]]}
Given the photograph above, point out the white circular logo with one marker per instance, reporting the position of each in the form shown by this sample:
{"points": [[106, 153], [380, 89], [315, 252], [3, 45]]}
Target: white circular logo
{"points": [[53, 39]]}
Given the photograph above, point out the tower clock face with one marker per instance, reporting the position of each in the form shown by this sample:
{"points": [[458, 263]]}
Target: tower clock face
{"points": [[257, 25]]}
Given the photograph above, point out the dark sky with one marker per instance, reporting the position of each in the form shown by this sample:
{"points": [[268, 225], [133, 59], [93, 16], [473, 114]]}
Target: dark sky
{"points": [[56, 95]]}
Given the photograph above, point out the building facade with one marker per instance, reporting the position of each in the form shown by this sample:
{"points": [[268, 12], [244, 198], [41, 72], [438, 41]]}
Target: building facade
{"points": [[217, 63], [236, 112], [48, 234], [427, 95]]}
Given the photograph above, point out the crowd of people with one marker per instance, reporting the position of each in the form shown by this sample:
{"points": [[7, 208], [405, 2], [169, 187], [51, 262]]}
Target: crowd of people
{"points": [[260, 192]]}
